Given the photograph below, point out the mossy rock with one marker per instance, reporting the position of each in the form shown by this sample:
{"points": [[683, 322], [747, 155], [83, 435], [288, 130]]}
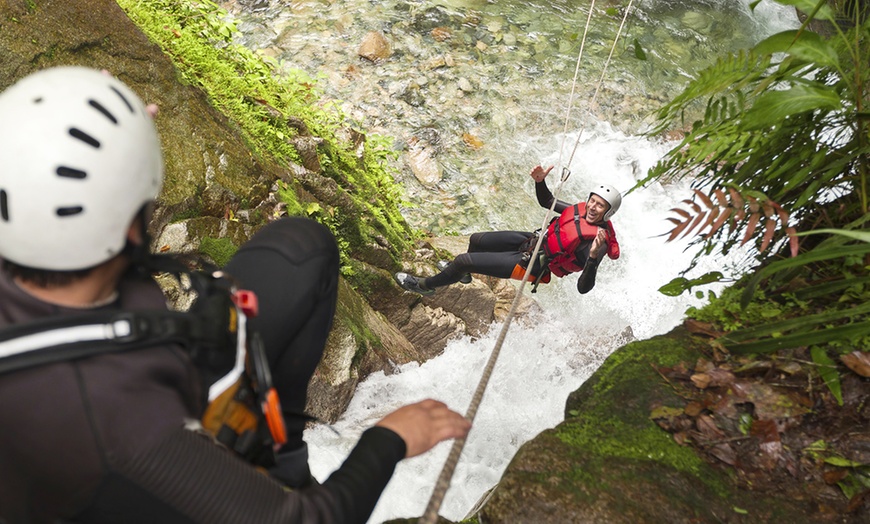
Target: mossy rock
{"points": [[609, 462]]}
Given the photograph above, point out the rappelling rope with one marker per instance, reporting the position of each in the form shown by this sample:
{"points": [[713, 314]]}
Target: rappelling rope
{"points": [[565, 171], [430, 516]]}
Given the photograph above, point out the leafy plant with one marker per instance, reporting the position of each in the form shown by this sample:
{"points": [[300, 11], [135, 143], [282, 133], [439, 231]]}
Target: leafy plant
{"points": [[780, 153], [785, 124], [751, 211]]}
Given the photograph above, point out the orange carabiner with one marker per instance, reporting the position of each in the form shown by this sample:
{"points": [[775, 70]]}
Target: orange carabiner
{"points": [[274, 418]]}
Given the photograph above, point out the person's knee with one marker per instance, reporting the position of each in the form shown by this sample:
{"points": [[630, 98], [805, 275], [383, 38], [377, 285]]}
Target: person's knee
{"points": [[462, 263], [297, 239]]}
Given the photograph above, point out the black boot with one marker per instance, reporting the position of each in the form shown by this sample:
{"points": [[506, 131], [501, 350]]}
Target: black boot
{"points": [[412, 283]]}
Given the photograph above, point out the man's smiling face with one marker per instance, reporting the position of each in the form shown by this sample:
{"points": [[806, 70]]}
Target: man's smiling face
{"points": [[595, 209]]}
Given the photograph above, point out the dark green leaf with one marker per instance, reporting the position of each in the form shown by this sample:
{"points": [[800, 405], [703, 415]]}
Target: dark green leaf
{"points": [[806, 45], [815, 255], [863, 236], [795, 325], [828, 371], [774, 106], [639, 53], [823, 336], [676, 286]]}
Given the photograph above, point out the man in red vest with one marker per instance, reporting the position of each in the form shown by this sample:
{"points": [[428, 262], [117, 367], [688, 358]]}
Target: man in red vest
{"points": [[574, 241]]}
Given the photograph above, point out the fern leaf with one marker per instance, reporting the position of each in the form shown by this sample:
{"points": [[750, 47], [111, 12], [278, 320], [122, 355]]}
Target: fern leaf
{"points": [[792, 241], [704, 198], [769, 230], [696, 222], [750, 227], [720, 220], [677, 230]]}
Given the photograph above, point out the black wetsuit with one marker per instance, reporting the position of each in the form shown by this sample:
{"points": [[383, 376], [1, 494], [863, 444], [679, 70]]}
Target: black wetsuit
{"points": [[104, 439], [497, 253]]}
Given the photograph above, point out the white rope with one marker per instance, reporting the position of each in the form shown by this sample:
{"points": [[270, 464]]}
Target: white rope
{"points": [[430, 515]]}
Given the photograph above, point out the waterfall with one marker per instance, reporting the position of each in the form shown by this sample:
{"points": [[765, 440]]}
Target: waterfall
{"points": [[544, 358], [510, 75]]}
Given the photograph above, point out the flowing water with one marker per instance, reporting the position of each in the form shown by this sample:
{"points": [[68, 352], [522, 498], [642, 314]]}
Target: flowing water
{"points": [[479, 90]]}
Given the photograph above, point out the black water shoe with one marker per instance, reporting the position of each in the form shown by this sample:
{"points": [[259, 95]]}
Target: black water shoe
{"points": [[412, 283], [466, 278]]}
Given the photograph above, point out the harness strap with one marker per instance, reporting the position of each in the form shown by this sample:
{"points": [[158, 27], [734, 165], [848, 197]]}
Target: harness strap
{"points": [[577, 218], [81, 336]]}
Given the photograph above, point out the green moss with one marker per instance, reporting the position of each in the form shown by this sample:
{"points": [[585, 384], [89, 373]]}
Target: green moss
{"points": [[219, 250], [263, 97], [351, 313], [616, 426]]}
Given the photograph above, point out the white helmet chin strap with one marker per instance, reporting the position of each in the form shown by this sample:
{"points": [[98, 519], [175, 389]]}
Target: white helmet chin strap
{"points": [[79, 158]]}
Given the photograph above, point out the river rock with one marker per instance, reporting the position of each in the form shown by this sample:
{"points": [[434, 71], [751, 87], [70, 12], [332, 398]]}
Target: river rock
{"points": [[423, 165], [429, 329], [375, 47], [699, 22]]}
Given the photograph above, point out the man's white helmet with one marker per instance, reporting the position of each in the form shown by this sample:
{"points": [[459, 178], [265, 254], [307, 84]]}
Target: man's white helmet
{"points": [[79, 157], [611, 196]]}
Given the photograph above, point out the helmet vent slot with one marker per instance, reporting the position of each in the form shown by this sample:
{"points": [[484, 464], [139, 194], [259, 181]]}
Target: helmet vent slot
{"points": [[71, 172], [99, 107], [124, 99], [4, 207], [69, 211], [84, 137]]}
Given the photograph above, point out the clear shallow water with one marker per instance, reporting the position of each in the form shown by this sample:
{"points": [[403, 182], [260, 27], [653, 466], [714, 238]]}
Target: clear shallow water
{"points": [[500, 72], [508, 86]]}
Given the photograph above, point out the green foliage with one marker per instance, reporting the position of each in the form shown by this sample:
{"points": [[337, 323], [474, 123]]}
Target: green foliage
{"points": [[780, 149], [678, 285], [728, 314], [827, 369], [857, 478], [267, 99], [782, 121]]}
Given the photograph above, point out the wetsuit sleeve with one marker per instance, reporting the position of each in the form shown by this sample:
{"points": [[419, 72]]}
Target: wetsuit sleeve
{"points": [[587, 278], [612, 243], [545, 197], [188, 478]]}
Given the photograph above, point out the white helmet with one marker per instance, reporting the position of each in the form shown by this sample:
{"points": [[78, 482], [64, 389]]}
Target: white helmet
{"points": [[611, 196], [79, 157]]}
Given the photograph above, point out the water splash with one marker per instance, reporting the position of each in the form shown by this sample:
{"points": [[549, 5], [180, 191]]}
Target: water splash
{"points": [[544, 358]]}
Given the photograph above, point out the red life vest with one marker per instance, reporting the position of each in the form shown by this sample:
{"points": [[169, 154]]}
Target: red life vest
{"points": [[564, 234]]}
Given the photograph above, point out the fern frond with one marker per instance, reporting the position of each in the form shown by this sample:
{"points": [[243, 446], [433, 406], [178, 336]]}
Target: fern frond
{"points": [[756, 216]]}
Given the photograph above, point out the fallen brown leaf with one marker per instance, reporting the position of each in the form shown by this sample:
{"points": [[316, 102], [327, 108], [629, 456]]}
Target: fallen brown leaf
{"points": [[725, 453], [708, 428], [701, 380], [858, 361], [697, 327]]}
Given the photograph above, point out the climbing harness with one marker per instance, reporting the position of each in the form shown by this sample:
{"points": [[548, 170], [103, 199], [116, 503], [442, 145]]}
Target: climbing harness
{"points": [[430, 515], [541, 262], [245, 414]]}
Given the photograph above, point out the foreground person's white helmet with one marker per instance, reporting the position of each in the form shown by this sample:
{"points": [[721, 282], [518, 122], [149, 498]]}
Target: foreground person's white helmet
{"points": [[611, 196], [79, 157]]}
